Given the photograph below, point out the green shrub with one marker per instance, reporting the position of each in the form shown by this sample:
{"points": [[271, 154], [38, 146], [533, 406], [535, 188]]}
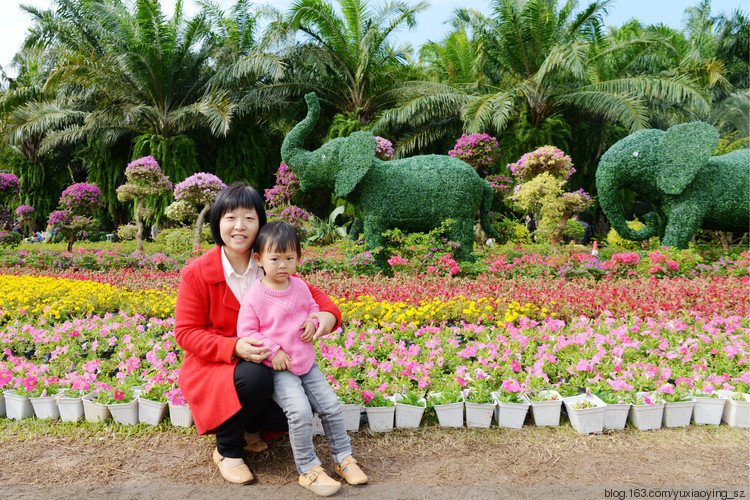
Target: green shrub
{"points": [[126, 232], [179, 240], [614, 239], [10, 239]]}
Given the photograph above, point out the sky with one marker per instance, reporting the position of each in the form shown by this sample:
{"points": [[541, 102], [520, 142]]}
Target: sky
{"points": [[431, 23]]}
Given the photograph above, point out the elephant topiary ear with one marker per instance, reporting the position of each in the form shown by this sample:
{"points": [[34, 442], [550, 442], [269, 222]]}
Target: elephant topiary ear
{"points": [[356, 157], [683, 151]]}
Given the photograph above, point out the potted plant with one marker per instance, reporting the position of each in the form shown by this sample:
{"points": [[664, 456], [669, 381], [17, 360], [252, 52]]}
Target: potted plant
{"points": [[179, 410], [617, 409], [737, 406], [44, 400], [6, 377], [646, 410], [121, 403], [70, 405], [93, 410], [546, 404], [410, 407], [152, 403], [585, 412], [512, 405], [351, 405], [17, 401], [380, 411], [709, 407], [479, 403], [678, 406], [449, 407]]}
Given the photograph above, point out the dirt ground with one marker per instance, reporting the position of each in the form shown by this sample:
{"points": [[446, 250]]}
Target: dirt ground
{"points": [[423, 463]]}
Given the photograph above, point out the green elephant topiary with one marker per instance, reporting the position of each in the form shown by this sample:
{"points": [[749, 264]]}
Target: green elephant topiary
{"points": [[675, 172], [412, 194]]}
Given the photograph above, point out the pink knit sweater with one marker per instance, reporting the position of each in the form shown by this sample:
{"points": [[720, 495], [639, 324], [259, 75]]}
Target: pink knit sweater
{"points": [[274, 317]]}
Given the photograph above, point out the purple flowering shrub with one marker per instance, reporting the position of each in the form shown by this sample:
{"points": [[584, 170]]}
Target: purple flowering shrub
{"points": [[81, 198], [545, 159], [144, 178], [279, 199], [542, 174], [199, 189], [10, 186], [73, 219], [383, 148], [478, 150]]}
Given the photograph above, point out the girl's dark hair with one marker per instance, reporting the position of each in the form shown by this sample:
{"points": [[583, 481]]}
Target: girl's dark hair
{"points": [[238, 195], [278, 236]]}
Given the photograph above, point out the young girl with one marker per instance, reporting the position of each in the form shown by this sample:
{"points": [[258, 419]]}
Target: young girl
{"points": [[271, 312]]}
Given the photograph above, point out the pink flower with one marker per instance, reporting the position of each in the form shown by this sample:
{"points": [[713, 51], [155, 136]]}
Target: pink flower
{"points": [[666, 389], [511, 385], [119, 395], [367, 396]]}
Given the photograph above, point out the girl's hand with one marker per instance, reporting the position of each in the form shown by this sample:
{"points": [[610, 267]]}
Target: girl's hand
{"points": [[326, 323], [308, 334], [281, 361], [250, 349]]}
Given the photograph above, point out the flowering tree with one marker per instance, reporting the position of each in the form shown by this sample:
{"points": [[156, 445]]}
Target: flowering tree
{"points": [[199, 189], [478, 150], [279, 199], [9, 188], [542, 174], [73, 218], [25, 216], [144, 178]]}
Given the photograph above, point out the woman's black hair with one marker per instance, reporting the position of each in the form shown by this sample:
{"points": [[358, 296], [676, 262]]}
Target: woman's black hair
{"points": [[277, 236], [238, 195]]}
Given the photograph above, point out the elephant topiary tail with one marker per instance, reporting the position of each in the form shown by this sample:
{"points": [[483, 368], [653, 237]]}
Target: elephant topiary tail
{"points": [[484, 211]]}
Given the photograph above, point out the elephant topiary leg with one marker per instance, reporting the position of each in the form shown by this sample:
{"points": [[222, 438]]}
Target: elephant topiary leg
{"points": [[374, 229], [356, 229], [684, 221], [462, 232]]}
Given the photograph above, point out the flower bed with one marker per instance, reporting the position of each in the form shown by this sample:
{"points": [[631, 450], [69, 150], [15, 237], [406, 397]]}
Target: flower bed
{"points": [[406, 334]]}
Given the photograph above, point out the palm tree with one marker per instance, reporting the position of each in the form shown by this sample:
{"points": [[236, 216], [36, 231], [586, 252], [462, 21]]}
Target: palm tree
{"points": [[349, 60], [542, 63], [123, 73]]}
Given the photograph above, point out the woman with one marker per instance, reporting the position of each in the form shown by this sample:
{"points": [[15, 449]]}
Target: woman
{"points": [[222, 377]]}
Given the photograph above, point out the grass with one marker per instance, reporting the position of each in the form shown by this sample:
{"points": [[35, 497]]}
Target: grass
{"points": [[420, 440]]}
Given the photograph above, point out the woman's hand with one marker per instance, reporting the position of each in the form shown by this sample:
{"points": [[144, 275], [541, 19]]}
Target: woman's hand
{"points": [[246, 349], [326, 323]]}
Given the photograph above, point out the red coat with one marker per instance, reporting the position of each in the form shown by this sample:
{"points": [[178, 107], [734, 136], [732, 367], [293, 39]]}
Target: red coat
{"points": [[206, 327]]}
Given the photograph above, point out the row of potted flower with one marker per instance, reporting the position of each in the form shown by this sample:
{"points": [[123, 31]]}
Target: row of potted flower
{"points": [[147, 405], [586, 412]]}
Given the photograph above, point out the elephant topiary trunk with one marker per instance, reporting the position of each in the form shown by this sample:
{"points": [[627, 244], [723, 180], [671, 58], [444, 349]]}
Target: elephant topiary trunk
{"points": [[675, 172], [414, 194]]}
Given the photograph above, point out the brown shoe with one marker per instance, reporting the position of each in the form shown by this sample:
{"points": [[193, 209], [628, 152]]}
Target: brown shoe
{"points": [[349, 470], [255, 443], [319, 482], [238, 475]]}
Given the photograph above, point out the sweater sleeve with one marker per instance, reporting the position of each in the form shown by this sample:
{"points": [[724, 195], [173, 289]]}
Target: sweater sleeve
{"points": [[191, 324]]}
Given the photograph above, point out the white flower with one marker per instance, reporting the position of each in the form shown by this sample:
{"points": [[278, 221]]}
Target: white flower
{"points": [[323, 156], [635, 153]]}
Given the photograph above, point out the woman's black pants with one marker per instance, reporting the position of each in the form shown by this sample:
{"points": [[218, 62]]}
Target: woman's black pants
{"points": [[254, 385]]}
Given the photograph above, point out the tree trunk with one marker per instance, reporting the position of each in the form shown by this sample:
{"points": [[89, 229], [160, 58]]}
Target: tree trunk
{"points": [[556, 235], [71, 240], [199, 227], [139, 225], [724, 241]]}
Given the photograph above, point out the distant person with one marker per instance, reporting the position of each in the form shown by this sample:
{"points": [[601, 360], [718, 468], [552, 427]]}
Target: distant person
{"points": [[531, 226], [16, 228]]}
